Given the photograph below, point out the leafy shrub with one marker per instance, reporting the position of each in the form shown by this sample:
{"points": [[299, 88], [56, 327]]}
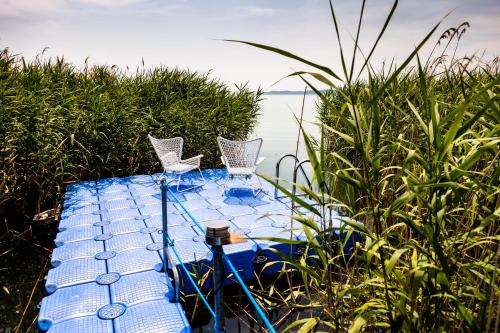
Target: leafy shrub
{"points": [[60, 124]]}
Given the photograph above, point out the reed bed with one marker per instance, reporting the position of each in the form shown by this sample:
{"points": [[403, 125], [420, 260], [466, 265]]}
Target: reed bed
{"points": [[410, 155], [60, 124]]}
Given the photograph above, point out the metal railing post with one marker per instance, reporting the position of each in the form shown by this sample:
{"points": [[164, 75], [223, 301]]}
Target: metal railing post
{"points": [[164, 198], [217, 234], [219, 288]]}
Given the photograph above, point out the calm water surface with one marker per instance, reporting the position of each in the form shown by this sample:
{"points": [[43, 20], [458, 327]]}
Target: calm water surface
{"points": [[279, 128]]}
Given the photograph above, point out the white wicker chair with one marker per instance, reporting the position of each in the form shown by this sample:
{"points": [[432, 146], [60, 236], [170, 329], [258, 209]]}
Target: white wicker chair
{"points": [[169, 151], [241, 159]]}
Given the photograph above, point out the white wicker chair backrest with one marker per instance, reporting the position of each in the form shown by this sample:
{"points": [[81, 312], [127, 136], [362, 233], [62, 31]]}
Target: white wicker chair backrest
{"points": [[169, 151], [240, 154]]}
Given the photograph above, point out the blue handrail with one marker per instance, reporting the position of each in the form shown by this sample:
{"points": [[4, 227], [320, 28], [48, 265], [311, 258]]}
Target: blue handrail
{"points": [[249, 295], [190, 215], [198, 291], [171, 243], [185, 209]]}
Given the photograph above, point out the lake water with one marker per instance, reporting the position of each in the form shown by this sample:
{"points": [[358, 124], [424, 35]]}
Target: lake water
{"points": [[279, 129]]}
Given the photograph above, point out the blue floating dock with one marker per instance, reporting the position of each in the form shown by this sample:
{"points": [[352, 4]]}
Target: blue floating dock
{"points": [[108, 257]]}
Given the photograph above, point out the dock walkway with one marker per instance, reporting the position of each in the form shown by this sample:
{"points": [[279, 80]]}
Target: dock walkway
{"points": [[107, 263]]}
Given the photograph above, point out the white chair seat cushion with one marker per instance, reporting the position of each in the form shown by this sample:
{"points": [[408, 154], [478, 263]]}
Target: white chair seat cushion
{"points": [[241, 171], [180, 168]]}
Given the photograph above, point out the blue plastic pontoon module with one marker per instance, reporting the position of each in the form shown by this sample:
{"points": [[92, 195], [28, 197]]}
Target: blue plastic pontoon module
{"points": [[72, 302], [141, 287], [157, 316], [75, 234], [83, 325], [108, 256]]}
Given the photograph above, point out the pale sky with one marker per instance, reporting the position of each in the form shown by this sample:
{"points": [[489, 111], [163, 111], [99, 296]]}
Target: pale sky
{"points": [[187, 33]]}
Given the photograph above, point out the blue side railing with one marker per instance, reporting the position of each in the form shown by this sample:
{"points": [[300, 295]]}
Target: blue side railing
{"points": [[169, 243]]}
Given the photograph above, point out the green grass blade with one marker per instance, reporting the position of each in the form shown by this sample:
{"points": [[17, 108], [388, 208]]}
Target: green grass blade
{"points": [[288, 55], [386, 23], [399, 69]]}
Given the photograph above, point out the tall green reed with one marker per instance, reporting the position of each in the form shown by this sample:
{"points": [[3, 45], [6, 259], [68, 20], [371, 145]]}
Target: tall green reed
{"points": [[61, 124], [412, 154]]}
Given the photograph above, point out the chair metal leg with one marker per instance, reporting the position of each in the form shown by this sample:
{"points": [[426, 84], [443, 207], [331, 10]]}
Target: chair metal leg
{"points": [[259, 189], [247, 182], [256, 189], [202, 177], [178, 183], [224, 185], [191, 187], [260, 185]]}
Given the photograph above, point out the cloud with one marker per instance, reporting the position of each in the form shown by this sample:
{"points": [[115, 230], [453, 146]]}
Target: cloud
{"points": [[259, 11], [20, 8], [112, 3]]}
